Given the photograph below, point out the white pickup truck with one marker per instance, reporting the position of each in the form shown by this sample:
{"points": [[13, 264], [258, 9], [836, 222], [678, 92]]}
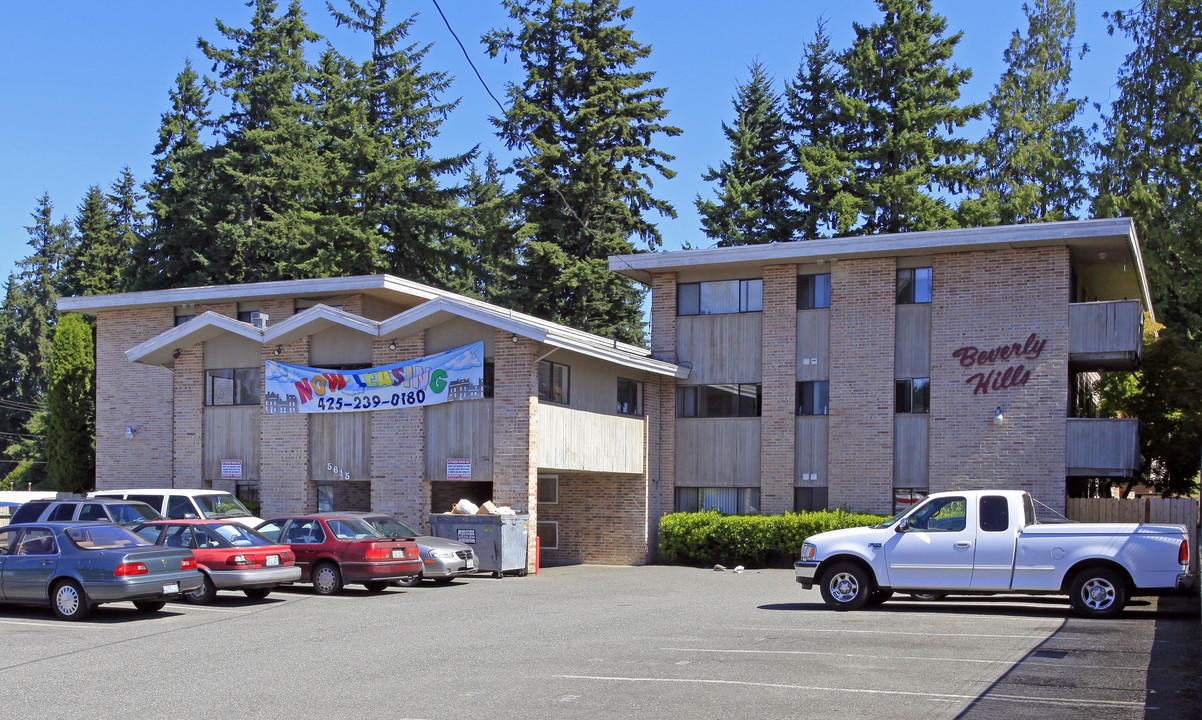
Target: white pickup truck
{"points": [[989, 541]]}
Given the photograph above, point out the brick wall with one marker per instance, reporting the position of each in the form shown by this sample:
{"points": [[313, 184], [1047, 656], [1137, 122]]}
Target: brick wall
{"points": [[398, 446], [135, 396], [284, 483], [661, 408], [188, 400], [598, 516], [985, 300], [862, 321], [779, 388], [515, 429]]}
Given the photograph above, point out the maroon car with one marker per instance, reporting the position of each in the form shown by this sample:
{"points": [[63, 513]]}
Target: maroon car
{"points": [[333, 551]]}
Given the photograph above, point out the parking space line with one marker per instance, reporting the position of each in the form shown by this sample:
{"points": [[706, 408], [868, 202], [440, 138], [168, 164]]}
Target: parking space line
{"points": [[38, 624], [902, 632], [1059, 702], [893, 658]]}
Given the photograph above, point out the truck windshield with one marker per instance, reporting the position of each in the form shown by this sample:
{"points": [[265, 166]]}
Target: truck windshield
{"points": [[216, 507]]}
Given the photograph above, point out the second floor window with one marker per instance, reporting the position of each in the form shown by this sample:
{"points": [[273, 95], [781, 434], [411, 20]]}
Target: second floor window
{"points": [[913, 395], [232, 386], [720, 296], [913, 285], [813, 291], [718, 401], [813, 398], [553, 382], [630, 397]]}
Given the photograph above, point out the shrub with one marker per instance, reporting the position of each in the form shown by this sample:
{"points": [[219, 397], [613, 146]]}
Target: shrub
{"points": [[705, 538]]}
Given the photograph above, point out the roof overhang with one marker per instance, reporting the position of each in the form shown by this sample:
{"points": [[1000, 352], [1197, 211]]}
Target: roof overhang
{"points": [[314, 320], [163, 348]]}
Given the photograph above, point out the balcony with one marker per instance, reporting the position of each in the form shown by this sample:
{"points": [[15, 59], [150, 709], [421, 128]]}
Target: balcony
{"points": [[571, 439], [1102, 447], [1105, 335]]}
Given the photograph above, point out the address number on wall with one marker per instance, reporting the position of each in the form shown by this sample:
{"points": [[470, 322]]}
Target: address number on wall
{"points": [[339, 472]]}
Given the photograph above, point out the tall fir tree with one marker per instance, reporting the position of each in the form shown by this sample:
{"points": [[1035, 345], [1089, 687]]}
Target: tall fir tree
{"points": [[822, 165], [70, 403], [1033, 161], [267, 171], [1150, 165], [588, 120], [179, 249], [14, 412], [755, 201], [129, 227], [488, 244], [92, 268], [898, 118], [42, 278]]}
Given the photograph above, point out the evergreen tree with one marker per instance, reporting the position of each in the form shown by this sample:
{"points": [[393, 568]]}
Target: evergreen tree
{"points": [[1033, 159], [41, 279], [129, 227], [1151, 154], [487, 248], [69, 448], [92, 267], [822, 162], [179, 249], [267, 171], [587, 119], [898, 115], [13, 410], [755, 202]]}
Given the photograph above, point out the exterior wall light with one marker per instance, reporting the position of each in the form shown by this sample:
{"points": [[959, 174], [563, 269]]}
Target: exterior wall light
{"points": [[392, 344], [277, 350], [513, 339], [998, 416]]}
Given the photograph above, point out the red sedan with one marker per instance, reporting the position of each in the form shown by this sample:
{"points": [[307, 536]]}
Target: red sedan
{"points": [[334, 550], [230, 555]]}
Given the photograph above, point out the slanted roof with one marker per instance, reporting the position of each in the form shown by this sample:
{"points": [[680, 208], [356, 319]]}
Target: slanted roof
{"points": [[162, 348]]}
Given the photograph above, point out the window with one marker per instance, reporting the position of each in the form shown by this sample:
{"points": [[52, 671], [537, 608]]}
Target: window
{"points": [[180, 507], [553, 382], [36, 541], [943, 515], [548, 534], [93, 511], [813, 398], [720, 296], [247, 490], [913, 395], [249, 316], [490, 369], [234, 386], [813, 291], [718, 401], [807, 499], [913, 285], [63, 512], [995, 513], [181, 319], [548, 489], [731, 501], [630, 397]]}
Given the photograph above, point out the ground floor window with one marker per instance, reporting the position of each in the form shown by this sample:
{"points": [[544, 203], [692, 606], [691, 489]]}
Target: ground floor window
{"points": [[906, 498], [247, 491], [548, 489], [731, 501], [325, 497], [548, 534], [809, 499]]}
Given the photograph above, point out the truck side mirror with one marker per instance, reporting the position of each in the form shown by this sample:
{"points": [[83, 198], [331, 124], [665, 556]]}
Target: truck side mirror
{"points": [[902, 525]]}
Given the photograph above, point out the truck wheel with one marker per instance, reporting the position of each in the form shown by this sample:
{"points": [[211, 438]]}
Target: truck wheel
{"points": [[1098, 592], [846, 586]]}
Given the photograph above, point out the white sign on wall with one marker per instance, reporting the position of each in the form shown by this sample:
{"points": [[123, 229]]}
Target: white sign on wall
{"points": [[231, 469], [459, 468]]}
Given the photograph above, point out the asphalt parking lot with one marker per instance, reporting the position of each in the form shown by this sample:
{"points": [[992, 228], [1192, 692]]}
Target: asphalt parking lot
{"points": [[601, 641]]}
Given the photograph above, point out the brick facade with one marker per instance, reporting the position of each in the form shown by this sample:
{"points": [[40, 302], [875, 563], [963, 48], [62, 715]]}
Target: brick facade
{"points": [[590, 508], [515, 428], [660, 407], [398, 441], [779, 388]]}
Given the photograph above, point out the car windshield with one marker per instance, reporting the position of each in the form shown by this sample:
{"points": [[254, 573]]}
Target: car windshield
{"points": [[893, 519], [351, 528], [133, 514], [240, 535], [104, 537], [216, 507], [391, 527]]}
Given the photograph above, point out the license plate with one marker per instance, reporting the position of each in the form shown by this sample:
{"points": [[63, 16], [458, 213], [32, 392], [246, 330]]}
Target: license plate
{"points": [[169, 588], [398, 553], [273, 560], [470, 565]]}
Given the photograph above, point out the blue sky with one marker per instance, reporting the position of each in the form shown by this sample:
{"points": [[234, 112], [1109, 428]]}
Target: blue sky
{"points": [[85, 83]]}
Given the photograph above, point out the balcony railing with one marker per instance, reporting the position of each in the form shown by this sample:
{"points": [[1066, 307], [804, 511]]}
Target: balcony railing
{"points": [[1102, 447], [1105, 335], [571, 439]]}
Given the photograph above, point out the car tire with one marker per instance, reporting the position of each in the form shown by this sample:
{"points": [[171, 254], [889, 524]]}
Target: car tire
{"points": [[846, 586], [327, 579], [257, 593], [69, 600], [376, 586], [150, 606], [412, 581], [204, 594], [1098, 592]]}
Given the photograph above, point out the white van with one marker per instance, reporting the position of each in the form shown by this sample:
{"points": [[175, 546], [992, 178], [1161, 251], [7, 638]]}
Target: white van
{"points": [[178, 503]]}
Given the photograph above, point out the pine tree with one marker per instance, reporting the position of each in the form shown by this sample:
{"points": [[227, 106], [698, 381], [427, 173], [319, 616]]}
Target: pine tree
{"points": [[755, 202], [1151, 154], [179, 249], [486, 250], [898, 115], [91, 268], [1033, 159], [588, 120], [821, 160], [13, 412], [69, 447], [267, 171], [42, 280], [129, 227]]}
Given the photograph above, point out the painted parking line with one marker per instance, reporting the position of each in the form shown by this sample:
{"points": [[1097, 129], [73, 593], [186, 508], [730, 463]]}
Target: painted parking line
{"points": [[894, 658], [1031, 700], [41, 624], [808, 630]]}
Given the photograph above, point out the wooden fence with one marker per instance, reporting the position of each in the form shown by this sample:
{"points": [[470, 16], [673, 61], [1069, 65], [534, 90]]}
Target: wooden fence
{"points": [[1175, 511]]}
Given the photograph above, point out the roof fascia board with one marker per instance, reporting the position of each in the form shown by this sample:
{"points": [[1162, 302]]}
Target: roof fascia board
{"points": [[206, 326], [441, 309], [315, 319]]}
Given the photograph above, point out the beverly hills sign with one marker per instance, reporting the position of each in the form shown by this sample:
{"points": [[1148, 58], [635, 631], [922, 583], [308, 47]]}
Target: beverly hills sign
{"points": [[989, 377]]}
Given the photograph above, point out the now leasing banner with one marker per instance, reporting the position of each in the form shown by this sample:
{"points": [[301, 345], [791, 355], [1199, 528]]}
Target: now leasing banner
{"points": [[453, 375]]}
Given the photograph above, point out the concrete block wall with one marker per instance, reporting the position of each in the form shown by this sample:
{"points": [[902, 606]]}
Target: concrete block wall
{"points": [[134, 396], [598, 517], [779, 389], [983, 301], [515, 429], [862, 321], [398, 446]]}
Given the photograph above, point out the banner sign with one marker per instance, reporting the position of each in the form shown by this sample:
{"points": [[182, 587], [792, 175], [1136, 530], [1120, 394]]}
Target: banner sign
{"points": [[453, 375]]}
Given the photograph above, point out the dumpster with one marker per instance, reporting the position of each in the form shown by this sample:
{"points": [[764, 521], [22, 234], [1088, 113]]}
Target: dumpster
{"points": [[499, 540]]}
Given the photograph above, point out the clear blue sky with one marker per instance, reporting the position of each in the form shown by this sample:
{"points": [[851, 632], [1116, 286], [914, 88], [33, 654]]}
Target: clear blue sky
{"points": [[84, 83]]}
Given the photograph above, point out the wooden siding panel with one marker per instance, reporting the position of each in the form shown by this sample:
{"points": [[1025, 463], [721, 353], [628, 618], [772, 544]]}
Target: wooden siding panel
{"points": [[339, 346], [913, 358], [1105, 327], [720, 348], [812, 448], [1102, 447], [571, 439], [718, 452], [231, 351], [343, 441], [231, 433], [460, 429], [813, 344], [911, 451]]}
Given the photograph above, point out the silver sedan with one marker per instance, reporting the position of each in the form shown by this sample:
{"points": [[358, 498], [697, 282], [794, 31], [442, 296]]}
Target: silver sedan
{"points": [[442, 560]]}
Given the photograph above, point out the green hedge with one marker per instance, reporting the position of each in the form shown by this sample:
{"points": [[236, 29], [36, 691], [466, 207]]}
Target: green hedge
{"points": [[705, 538]]}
